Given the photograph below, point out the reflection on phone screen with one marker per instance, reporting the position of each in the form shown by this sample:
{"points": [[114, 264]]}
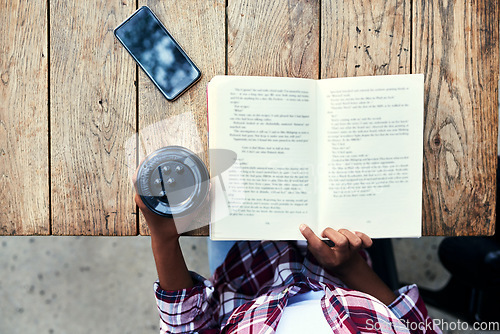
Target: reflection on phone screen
{"points": [[157, 52]]}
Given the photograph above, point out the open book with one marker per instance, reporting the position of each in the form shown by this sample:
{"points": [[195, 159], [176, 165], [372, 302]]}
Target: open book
{"points": [[340, 153]]}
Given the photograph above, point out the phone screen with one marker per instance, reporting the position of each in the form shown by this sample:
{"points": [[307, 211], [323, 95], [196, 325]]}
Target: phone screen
{"points": [[158, 54]]}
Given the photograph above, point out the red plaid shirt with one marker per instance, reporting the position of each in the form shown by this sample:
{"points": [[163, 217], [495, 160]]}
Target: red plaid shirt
{"points": [[249, 290]]}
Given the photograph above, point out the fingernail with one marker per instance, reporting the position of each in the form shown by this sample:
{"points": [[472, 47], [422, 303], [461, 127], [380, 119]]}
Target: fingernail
{"points": [[302, 227]]}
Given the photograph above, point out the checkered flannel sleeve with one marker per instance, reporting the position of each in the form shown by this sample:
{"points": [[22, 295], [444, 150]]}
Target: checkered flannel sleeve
{"points": [[409, 307], [188, 310]]}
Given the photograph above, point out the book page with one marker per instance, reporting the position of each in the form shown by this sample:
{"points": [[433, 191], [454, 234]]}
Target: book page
{"points": [[270, 123], [371, 148]]}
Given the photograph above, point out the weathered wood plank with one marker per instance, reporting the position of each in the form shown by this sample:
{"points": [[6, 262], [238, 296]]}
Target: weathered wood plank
{"points": [[93, 112], [273, 38], [455, 44], [24, 172], [199, 27], [365, 38]]}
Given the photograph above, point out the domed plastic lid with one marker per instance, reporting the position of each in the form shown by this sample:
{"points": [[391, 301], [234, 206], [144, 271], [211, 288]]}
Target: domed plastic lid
{"points": [[173, 181]]}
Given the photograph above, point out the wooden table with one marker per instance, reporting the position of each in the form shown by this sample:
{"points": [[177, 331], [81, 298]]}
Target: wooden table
{"points": [[71, 97]]}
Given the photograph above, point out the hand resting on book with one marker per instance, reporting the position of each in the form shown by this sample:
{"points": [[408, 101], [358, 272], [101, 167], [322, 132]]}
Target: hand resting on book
{"points": [[344, 260]]}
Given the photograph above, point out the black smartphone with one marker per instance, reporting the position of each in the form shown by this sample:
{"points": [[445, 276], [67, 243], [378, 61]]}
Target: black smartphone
{"points": [[157, 53]]}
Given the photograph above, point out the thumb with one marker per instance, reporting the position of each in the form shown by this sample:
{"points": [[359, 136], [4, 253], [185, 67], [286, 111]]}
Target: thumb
{"points": [[316, 245], [144, 209], [139, 202]]}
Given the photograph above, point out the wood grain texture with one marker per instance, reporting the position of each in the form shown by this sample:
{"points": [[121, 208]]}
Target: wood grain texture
{"points": [[455, 44], [365, 38], [273, 38], [93, 105], [199, 27], [93, 113], [24, 171]]}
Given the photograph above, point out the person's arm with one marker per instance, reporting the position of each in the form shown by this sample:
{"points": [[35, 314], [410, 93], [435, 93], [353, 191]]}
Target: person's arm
{"points": [[172, 271], [182, 297], [344, 261]]}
